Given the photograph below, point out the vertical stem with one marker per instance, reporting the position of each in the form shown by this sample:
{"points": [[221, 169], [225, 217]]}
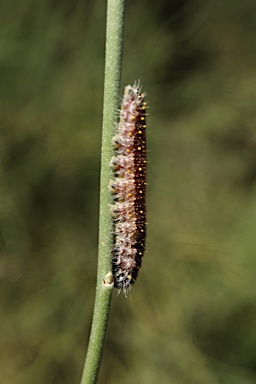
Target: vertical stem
{"points": [[113, 60]]}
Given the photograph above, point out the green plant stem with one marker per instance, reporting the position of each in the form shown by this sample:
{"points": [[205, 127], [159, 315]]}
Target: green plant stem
{"points": [[113, 59]]}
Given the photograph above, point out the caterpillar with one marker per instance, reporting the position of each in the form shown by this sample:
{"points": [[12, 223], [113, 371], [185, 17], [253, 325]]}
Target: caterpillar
{"points": [[129, 188]]}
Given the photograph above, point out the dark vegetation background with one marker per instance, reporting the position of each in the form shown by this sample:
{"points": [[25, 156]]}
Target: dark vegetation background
{"points": [[192, 314]]}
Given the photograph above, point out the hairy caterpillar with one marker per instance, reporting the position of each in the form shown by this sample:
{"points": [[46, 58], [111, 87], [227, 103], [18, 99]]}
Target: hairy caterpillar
{"points": [[129, 188]]}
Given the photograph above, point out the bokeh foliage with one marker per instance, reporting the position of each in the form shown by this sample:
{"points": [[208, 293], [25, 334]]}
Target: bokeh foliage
{"points": [[191, 316]]}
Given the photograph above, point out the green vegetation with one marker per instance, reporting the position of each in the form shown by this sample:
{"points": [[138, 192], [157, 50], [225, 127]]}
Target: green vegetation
{"points": [[191, 316]]}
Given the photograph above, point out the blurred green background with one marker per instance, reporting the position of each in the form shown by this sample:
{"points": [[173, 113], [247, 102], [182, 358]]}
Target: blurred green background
{"points": [[191, 318]]}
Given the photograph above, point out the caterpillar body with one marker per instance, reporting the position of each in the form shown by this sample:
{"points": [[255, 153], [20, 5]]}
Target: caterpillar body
{"points": [[129, 188]]}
